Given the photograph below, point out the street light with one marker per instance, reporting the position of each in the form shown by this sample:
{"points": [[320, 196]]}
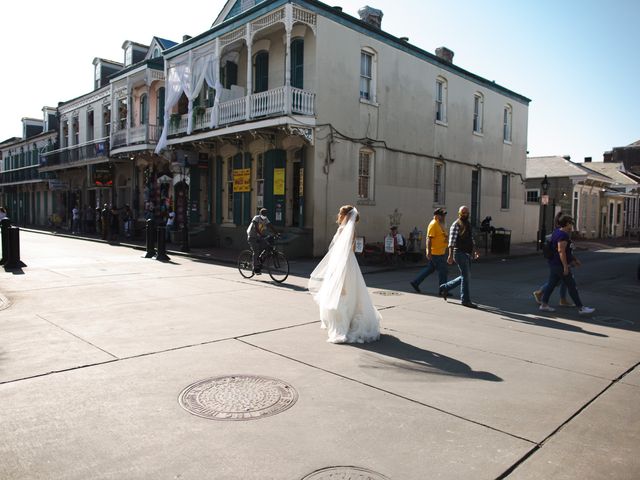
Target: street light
{"points": [[545, 185]]}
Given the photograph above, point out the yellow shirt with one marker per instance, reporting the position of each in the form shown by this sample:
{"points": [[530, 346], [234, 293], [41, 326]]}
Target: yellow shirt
{"points": [[438, 238]]}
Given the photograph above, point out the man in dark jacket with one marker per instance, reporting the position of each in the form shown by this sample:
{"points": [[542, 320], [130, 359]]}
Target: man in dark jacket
{"points": [[461, 250]]}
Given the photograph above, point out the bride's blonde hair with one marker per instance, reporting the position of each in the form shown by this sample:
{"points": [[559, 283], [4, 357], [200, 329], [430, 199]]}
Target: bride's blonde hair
{"points": [[343, 212]]}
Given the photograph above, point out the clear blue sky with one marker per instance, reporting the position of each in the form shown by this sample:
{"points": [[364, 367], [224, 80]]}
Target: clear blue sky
{"points": [[578, 60]]}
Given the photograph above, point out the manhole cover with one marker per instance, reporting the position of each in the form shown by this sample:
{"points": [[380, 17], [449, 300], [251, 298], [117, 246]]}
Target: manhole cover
{"points": [[238, 397], [345, 473], [386, 293]]}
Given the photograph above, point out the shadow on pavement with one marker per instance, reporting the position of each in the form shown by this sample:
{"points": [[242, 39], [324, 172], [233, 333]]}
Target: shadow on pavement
{"points": [[415, 359], [539, 321]]}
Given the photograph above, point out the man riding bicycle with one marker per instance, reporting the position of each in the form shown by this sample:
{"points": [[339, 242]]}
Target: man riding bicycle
{"points": [[257, 235]]}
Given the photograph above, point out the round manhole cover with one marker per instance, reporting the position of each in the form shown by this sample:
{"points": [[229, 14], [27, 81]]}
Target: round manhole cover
{"points": [[386, 293], [238, 397], [345, 473]]}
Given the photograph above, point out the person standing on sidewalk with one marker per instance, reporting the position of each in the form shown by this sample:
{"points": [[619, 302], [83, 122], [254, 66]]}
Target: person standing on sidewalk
{"points": [[559, 267], [436, 251], [461, 250]]}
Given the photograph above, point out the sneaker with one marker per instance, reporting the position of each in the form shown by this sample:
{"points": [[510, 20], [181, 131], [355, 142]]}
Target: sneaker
{"points": [[257, 271], [546, 308], [469, 305], [537, 294], [586, 310], [415, 286], [443, 292], [566, 303]]}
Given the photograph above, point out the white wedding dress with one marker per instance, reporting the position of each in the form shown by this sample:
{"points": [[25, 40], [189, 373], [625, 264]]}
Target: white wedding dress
{"points": [[337, 285]]}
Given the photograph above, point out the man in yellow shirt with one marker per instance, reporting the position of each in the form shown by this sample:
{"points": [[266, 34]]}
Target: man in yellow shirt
{"points": [[436, 250]]}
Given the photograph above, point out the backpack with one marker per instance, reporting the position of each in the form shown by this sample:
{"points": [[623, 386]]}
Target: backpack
{"points": [[547, 249]]}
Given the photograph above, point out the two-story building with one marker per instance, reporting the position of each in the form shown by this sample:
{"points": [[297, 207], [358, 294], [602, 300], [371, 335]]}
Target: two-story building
{"points": [[300, 108], [27, 194]]}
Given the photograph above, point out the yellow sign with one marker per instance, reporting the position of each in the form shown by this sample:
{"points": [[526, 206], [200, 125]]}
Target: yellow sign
{"points": [[242, 180], [278, 181]]}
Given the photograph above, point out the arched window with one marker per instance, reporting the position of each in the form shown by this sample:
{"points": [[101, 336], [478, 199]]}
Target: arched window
{"points": [[441, 100], [297, 63], [144, 109], [160, 107], [156, 52], [507, 123], [261, 72], [478, 112]]}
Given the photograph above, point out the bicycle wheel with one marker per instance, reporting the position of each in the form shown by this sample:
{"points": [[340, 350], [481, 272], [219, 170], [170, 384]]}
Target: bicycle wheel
{"points": [[245, 263], [278, 266]]}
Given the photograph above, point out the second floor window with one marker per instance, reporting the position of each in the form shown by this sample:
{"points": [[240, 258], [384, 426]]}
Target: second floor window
{"points": [[438, 184], [261, 72], [297, 63], [90, 125], [441, 100], [160, 108], [144, 109], [478, 106], [366, 75], [506, 123], [365, 175]]}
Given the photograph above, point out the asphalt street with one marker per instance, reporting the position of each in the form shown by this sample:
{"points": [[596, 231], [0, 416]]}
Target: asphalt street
{"points": [[116, 366]]}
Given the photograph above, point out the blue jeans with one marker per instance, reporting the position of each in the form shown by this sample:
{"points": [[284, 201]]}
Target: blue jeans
{"points": [[563, 290], [437, 263], [463, 260], [556, 275]]}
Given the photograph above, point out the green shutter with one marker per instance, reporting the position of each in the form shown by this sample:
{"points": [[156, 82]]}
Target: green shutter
{"points": [[246, 196], [262, 72], [218, 190], [297, 63]]}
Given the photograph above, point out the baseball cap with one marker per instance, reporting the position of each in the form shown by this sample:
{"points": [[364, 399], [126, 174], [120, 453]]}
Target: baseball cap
{"points": [[439, 211]]}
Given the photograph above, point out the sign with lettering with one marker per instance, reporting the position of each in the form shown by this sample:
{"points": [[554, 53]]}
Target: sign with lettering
{"points": [[241, 180], [278, 181]]}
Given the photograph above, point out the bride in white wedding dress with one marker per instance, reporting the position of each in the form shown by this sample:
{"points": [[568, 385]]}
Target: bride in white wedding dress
{"points": [[337, 285]]}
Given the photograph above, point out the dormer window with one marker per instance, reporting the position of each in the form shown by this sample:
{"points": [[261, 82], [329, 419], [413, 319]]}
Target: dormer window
{"points": [[97, 75], [128, 55], [156, 52]]}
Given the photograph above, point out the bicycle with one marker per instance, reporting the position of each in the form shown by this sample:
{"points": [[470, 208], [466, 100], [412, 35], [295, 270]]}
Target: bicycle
{"points": [[273, 260]]}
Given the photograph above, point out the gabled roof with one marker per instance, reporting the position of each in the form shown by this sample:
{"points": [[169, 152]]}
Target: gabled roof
{"points": [[164, 43], [233, 8], [614, 171], [558, 167], [634, 144]]}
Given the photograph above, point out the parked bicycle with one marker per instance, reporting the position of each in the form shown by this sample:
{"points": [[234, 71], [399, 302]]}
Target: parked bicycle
{"points": [[272, 259]]}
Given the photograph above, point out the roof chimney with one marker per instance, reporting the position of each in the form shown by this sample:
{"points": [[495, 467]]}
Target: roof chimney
{"points": [[186, 37], [372, 16], [445, 54], [587, 159], [404, 39], [567, 157], [339, 9]]}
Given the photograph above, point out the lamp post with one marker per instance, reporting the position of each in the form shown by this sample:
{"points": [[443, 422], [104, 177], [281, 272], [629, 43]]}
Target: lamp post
{"points": [[545, 185], [186, 162]]}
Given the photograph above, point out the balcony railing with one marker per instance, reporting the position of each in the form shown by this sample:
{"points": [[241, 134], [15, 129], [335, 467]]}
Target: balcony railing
{"points": [[25, 174], [95, 149], [273, 102], [143, 134]]}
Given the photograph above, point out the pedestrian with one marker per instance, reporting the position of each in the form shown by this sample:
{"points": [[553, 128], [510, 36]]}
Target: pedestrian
{"points": [[537, 294], [337, 285], [436, 250], [127, 219], [114, 227], [560, 267], [171, 220], [105, 217], [462, 250], [75, 220], [3, 213]]}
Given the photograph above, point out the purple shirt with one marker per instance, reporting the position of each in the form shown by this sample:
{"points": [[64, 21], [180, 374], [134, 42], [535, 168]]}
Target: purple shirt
{"points": [[558, 236]]}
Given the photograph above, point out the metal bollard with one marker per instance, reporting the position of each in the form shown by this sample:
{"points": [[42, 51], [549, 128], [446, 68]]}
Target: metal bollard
{"points": [[14, 262], [151, 239], [162, 244], [5, 223]]}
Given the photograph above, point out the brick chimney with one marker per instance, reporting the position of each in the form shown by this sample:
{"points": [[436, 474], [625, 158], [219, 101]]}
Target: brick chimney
{"points": [[372, 16], [445, 54], [587, 159]]}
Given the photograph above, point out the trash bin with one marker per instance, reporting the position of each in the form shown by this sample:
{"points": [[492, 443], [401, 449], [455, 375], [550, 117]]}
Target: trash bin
{"points": [[501, 241]]}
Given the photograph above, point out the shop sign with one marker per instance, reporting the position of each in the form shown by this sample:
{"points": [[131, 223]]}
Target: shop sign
{"points": [[241, 180], [278, 181], [102, 175], [359, 248], [58, 185]]}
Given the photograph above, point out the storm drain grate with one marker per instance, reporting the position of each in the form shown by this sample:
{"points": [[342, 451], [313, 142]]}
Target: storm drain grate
{"points": [[345, 473], [238, 397]]}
